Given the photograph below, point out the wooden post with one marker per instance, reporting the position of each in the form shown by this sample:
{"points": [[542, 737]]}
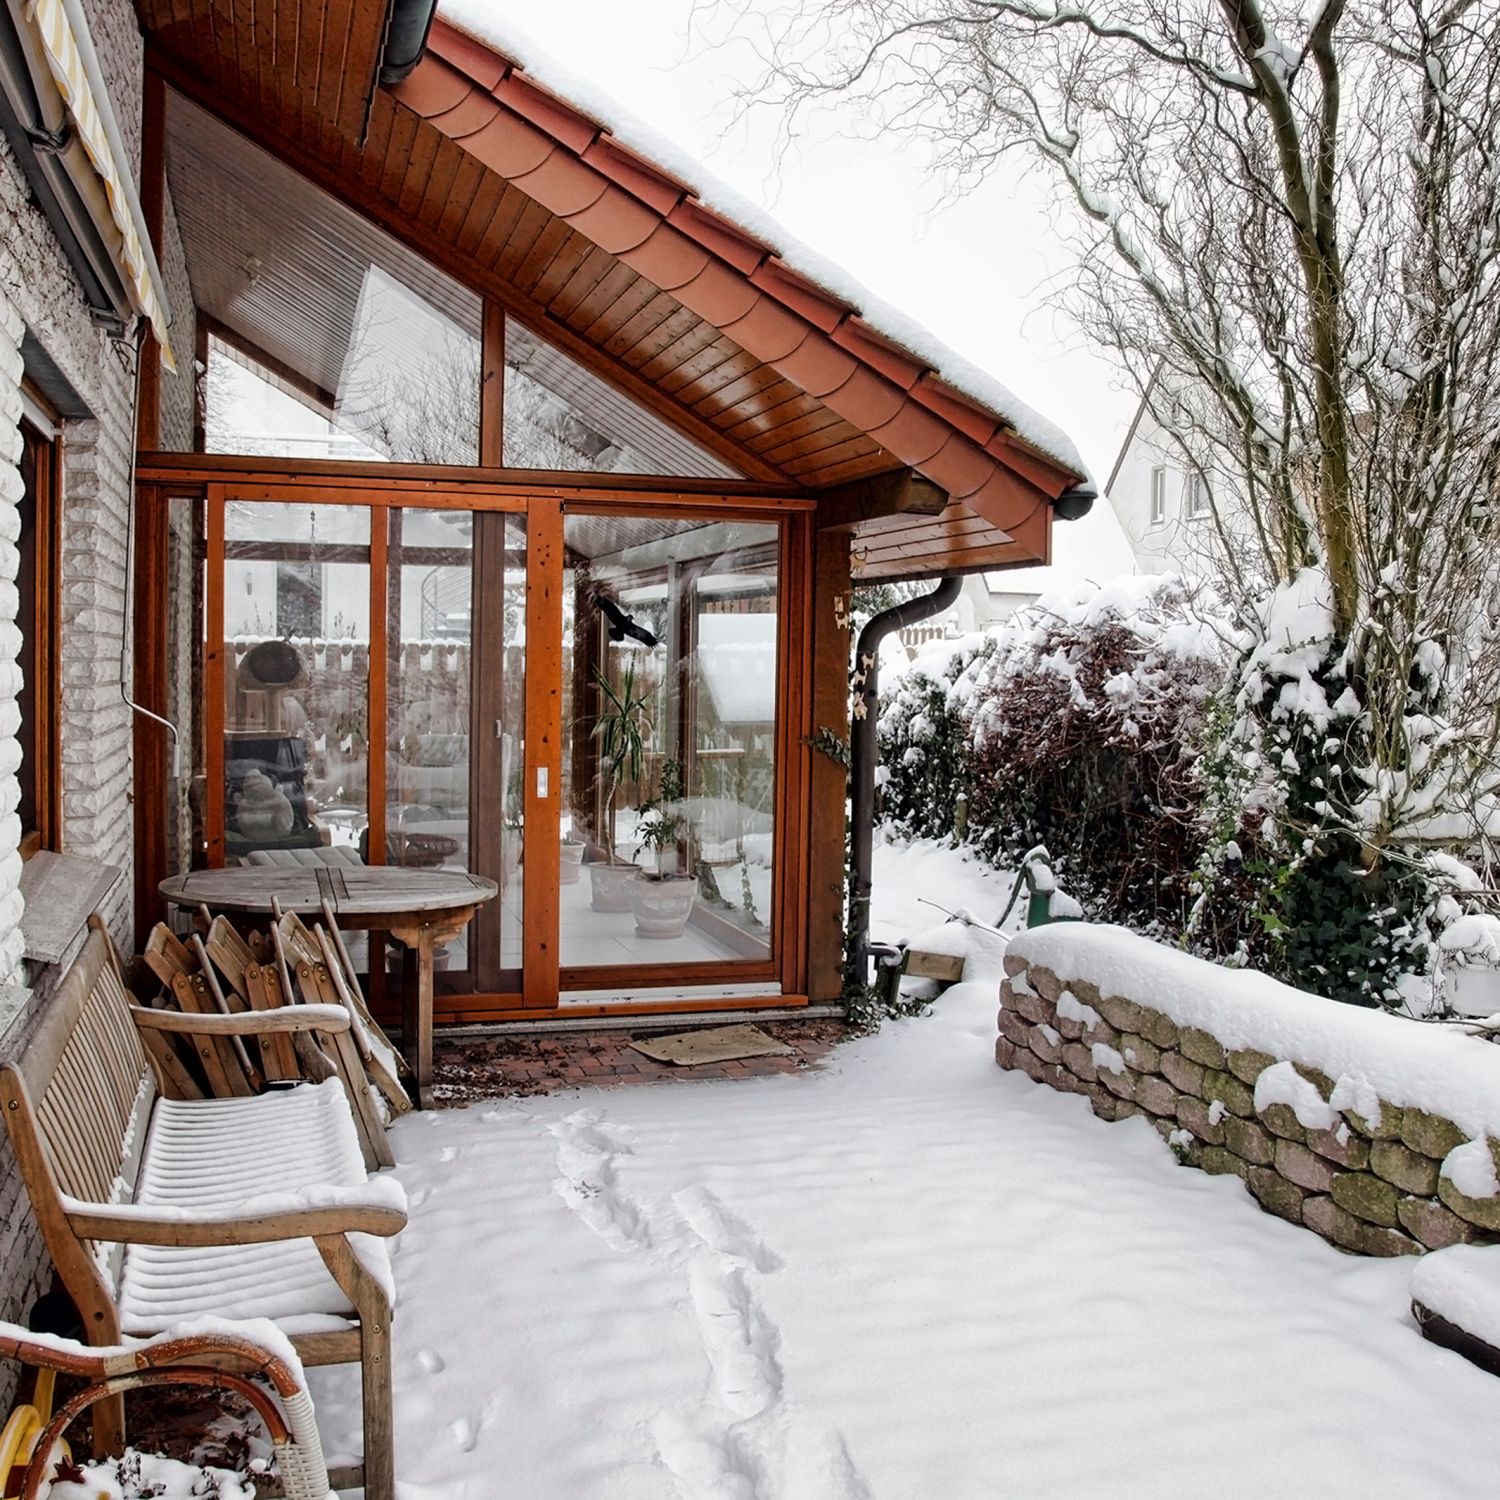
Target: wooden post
{"points": [[829, 702], [492, 387], [541, 862]]}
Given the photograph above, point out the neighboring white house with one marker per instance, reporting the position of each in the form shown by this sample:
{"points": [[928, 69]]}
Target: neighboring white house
{"points": [[1175, 517]]}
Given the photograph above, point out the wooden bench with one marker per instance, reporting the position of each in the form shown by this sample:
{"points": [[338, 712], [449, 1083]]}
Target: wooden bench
{"points": [[157, 1210]]}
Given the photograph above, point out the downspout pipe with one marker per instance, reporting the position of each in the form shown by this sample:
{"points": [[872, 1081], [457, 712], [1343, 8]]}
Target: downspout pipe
{"points": [[864, 749], [407, 25]]}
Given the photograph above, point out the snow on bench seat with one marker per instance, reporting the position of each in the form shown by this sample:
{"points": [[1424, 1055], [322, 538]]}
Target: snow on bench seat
{"points": [[220, 1156]]}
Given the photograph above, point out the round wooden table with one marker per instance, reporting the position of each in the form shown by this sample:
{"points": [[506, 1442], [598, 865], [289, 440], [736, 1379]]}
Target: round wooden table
{"points": [[421, 909]]}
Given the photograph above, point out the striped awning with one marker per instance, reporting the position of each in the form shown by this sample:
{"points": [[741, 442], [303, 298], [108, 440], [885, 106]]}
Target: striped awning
{"points": [[65, 60]]}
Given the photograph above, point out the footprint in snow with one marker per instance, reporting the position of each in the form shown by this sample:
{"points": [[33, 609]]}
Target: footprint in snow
{"points": [[465, 1434], [430, 1361], [722, 1230]]}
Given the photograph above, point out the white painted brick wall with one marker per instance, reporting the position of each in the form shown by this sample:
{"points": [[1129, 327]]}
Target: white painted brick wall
{"points": [[37, 292]]}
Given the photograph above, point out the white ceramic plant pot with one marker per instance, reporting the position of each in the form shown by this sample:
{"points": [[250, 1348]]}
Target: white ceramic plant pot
{"points": [[609, 886], [571, 871], [662, 906]]}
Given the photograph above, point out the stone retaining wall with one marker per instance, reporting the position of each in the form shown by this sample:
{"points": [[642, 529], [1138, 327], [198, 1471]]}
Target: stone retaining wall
{"points": [[1372, 1182]]}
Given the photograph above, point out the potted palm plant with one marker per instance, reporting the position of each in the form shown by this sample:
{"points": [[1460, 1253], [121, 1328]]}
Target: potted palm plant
{"points": [[663, 899], [623, 730]]}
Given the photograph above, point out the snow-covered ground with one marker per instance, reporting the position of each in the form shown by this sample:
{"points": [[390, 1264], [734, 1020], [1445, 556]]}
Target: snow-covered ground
{"points": [[910, 1276]]}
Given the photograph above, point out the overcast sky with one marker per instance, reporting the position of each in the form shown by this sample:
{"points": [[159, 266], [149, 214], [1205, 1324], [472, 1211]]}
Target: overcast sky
{"points": [[971, 272]]}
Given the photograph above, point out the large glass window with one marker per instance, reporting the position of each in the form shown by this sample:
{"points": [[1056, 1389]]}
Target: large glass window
{"points": [[559, 415], [670, 630], [296, 680]]}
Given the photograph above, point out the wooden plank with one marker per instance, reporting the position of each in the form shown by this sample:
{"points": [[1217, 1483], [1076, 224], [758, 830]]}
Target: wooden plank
{"points": [[541, 893], [947, 968], [828, 781], [492, 386], [253, 1078], [797, 663], [219, 1065], [278, 1056], [465, 486]]}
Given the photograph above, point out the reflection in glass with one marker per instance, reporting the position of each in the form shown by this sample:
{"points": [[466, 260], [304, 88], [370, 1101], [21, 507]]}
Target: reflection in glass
{"points": [[559, 415], [297, 658], [670, 632]]}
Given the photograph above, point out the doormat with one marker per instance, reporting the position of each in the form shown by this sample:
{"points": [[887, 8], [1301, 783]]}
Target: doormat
{"points": [[722, 1044]]}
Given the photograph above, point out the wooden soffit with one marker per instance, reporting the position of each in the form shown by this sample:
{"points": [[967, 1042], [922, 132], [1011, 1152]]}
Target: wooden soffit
{"points": [[521, 197]]}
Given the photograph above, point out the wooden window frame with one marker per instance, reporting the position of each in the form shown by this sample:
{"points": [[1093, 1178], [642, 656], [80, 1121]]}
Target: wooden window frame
{"points": [[38, 618]]}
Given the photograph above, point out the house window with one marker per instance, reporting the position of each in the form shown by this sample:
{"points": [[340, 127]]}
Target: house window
{"points": [[1197, 496], [36, 619], [1158, 496]]}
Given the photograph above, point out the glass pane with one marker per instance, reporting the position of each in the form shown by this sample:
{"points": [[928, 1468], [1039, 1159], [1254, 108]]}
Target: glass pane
{"points": [[430, 589], [186, 838], [558, 415], [670, 630], [297, 665], [338, 341]]}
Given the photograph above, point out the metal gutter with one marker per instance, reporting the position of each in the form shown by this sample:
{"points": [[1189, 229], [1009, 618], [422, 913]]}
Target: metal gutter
{"points": [[407, 26], [863, 750]]}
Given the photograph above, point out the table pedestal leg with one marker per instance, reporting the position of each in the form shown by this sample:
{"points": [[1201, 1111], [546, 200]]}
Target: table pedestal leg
{"points": [[418, 946]]}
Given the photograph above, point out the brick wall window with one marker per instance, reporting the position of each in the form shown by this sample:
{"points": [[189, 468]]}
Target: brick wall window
{"points": [[37, 620]]}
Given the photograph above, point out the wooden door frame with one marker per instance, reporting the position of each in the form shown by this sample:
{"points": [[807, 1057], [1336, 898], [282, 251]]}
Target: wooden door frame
{"points": [[543, 505]]}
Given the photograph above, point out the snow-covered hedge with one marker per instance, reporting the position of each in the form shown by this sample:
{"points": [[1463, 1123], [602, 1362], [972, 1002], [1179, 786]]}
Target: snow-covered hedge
{"points": [[1379, 1133], [1078, 725]]}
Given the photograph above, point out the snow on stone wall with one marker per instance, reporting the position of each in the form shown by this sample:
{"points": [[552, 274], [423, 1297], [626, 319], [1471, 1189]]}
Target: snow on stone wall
{"points": [[1380, 1134]]}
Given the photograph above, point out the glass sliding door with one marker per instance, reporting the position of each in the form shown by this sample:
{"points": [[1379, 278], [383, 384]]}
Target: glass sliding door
{"points": [[296, 632], [670, 723]]}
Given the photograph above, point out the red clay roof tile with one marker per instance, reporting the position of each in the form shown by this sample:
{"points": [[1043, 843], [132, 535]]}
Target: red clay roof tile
{"points": [[768, 329], [718, 295], [817, 364], [914, 434], [952, 406], [482, 64], [615, 221], [713, 231], [563, 183], [509, 146], [667, 257], [636, 175], [895, 363], [805, 298], [866, 399], [434, 90], [546, 111], [474, 111]]}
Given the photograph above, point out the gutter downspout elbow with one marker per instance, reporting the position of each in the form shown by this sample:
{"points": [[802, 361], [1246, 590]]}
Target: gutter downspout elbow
{"points": [[863, 750]]}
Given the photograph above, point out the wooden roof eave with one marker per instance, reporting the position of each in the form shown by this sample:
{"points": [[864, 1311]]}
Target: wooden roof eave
{"points": [[651, 222]]}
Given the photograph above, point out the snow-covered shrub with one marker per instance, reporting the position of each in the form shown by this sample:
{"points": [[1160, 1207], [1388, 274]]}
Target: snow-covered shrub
{"points": [[1355, 901], [924, 765], [1086, 724]]}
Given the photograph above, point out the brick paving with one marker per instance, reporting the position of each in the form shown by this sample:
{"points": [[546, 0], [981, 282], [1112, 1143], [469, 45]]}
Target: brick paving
{"points": [[476, 1066]]}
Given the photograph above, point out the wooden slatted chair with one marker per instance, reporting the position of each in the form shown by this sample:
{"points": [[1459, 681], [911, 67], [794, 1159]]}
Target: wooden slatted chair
{"points": [[157, 1210]]}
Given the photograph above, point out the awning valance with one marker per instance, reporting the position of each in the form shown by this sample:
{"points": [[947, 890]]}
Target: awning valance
{"points": [[68, 59]]}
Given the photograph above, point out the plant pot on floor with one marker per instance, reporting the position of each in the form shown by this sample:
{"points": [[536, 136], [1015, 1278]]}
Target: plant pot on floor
{"points": [[609, 885], [662, 903], [571, 869]]}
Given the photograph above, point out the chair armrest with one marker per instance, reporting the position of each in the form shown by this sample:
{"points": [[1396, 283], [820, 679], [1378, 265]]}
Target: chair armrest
{"points": [[377, 1207], [245, 1022]]}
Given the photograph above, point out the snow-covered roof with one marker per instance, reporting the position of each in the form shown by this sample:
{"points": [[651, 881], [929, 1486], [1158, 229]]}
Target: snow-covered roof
{"points": [[485, 22]]}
